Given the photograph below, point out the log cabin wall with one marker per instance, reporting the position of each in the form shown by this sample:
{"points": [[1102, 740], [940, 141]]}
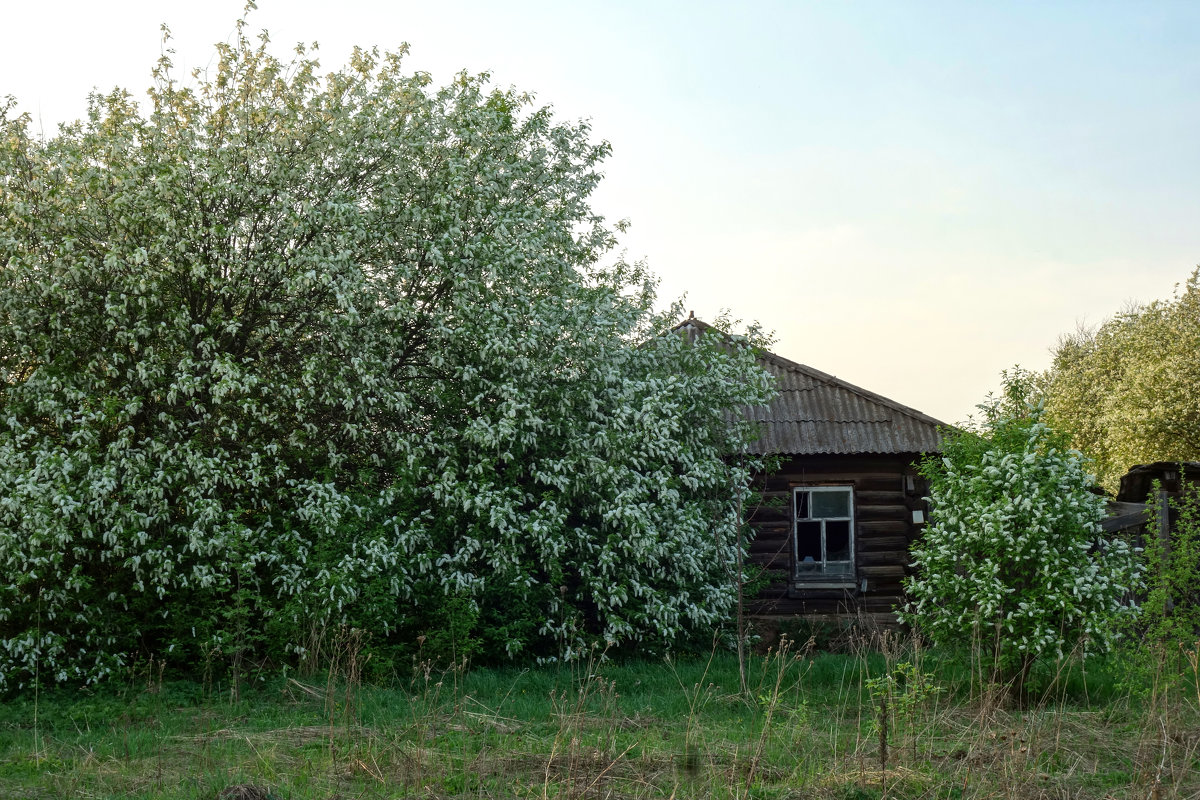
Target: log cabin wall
{"points": [[886, 492]]}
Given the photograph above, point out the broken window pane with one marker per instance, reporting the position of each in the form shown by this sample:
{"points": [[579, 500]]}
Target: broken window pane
{"points": [[808, 546], [837, 540], [801, 505]]}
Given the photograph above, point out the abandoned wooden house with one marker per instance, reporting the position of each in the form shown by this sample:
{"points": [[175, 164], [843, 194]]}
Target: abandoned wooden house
{"points": [[845, 501]]}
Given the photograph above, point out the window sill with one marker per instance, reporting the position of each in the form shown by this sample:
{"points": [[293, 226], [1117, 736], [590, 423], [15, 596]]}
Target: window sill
{"points": [[824, 582]]}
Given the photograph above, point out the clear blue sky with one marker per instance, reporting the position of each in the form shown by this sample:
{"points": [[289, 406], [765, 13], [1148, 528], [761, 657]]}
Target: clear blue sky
{"points": [[914, 196]]}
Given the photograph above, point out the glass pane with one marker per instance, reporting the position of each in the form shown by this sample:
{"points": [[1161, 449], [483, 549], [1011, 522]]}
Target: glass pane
{"points": [[801, 505], [837, 568], [830, 504], [837, 540], [808, 547]]}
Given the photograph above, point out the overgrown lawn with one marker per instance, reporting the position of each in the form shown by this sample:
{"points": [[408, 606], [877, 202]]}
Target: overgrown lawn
{"points": [[806, 725]]}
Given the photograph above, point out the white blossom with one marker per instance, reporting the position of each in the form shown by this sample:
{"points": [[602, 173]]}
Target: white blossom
{"points": [[285, 351]]}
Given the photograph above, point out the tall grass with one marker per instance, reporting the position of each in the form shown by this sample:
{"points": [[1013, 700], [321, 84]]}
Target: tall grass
{"points": [[887, 718]]}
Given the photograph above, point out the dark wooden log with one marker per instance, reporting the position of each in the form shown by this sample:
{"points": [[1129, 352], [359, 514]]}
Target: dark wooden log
{"points": [[868, 498], [869, 513], [883, 571], [883, 557], [886, 527], [869, 543]]}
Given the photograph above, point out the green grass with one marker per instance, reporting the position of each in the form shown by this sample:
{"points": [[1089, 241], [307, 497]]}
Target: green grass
{"points": [[807, 727]]}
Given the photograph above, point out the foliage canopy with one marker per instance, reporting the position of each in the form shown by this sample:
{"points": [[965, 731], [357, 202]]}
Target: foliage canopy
{"points": [[287, 351], [1126, 391]]}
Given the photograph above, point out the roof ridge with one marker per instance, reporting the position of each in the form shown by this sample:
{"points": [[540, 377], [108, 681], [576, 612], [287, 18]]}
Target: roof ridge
{"points": [[856, 421], [833, 380], [825, 377], [816, 412]]}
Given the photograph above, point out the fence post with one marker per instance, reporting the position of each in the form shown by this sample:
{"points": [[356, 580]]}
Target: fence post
{"points": [[1164, 544]]}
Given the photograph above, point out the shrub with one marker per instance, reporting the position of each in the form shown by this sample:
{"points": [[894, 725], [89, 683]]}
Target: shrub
{"points": [[1014, 559]]}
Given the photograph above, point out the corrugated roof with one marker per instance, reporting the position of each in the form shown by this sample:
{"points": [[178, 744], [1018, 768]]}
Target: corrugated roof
{"points": [[818, 413]]}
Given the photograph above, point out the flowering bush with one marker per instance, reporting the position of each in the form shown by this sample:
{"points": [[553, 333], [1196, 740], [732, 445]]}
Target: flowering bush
{"points": [[291, 351], [1014, 560]]}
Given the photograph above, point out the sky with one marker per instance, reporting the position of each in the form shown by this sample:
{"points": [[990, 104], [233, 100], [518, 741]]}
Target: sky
{"points": [[912, 195]]}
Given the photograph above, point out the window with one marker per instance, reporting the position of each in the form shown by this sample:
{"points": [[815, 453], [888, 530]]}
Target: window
{"points": [[823, 533]]}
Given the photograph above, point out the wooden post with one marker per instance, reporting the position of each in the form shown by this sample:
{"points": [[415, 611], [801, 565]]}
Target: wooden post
{"points": [[1164, 545]]}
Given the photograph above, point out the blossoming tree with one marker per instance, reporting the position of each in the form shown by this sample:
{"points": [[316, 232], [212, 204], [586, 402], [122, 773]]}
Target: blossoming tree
{"points": [[1126, 391], [1014, 562], [286, 351]]}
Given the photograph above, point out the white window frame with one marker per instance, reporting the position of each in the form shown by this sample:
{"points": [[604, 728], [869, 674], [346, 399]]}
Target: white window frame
{"points": [[820, 578]]}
